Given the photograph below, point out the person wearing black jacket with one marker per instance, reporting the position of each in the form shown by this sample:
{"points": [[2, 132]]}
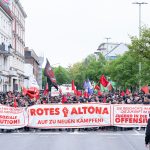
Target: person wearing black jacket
{"points": [[147, 134]]}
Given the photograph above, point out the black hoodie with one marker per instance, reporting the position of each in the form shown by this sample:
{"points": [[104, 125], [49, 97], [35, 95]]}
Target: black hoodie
{"points": [[147, 134]]}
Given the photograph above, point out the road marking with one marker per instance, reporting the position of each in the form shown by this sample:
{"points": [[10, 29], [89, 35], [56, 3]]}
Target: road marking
{"points": [[77, 133], [47, 133], [19, 133], [135, 133]]}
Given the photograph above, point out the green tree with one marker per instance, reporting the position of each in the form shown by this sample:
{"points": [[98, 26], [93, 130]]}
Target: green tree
{"points": [[125, 69], [94, 67], [77, 73], [90, 68], [62, 75], [141, 46]]}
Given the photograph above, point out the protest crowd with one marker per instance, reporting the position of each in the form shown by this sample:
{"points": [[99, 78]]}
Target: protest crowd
{"points": [[18, 99], [41, 106]]}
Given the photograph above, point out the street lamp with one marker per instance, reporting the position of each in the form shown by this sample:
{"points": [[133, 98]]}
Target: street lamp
{"points": [[140, 4]]}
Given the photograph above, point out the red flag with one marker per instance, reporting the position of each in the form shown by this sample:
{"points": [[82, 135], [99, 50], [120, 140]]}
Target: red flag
{"points": [[109, 87], [73, 86], [46, 89], [33, 92], [86, 94], [64, 99], [15, 103], [79, 93], [33, 96], [103, 81], [145, 89], [99, 93], [122, 93], [127, 92], [75, 91], [97, 87], [37, 95], [48, 72]]}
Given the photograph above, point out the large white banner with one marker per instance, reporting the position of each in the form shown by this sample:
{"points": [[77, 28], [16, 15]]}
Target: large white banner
{"points": [[11, 118], [74, 116], [130, 115], [69, 115]]}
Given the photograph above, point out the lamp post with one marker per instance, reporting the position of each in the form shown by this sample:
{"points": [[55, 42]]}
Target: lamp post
{"points": [[140, 4]]}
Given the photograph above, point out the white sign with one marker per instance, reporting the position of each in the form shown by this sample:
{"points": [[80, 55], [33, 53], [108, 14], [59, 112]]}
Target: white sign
{"points": [[54, 92], [130, 115], [11, 118]]}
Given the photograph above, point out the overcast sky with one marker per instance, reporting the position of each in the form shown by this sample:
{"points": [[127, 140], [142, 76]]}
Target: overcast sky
{"points": [[66, 31]]}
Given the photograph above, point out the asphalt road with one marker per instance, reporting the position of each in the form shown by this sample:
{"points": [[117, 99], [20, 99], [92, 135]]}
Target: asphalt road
{"points": [[101, 140]]}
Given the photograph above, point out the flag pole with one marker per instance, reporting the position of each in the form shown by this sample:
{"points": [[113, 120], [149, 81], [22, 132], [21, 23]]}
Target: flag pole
{"points": [[48, 97], [46, 83], [48, 90]]}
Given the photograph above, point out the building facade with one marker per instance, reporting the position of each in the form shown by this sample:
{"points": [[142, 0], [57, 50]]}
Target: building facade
{"points": [[18, 45], [111, 50], [41, 60], [6, 20], [14, 57], [32, 59], [29, 80]]}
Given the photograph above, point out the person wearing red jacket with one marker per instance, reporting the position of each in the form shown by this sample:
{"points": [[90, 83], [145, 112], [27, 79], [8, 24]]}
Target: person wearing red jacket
{"points": [[64, 99]]}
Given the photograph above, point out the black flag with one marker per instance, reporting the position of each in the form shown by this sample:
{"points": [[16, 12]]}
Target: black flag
{"points": [[48, 72]]}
